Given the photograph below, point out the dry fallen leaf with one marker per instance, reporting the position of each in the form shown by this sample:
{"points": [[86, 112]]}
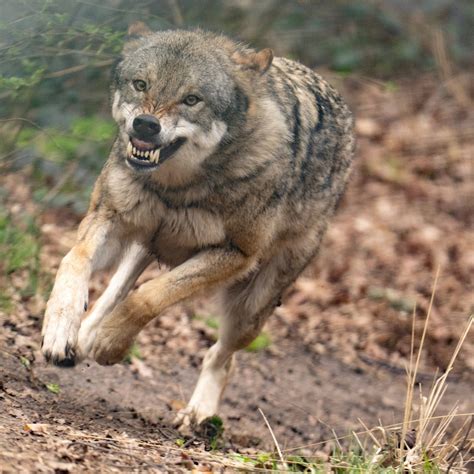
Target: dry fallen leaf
{"points": [[37, 428], [202, 470], [176, 405]]}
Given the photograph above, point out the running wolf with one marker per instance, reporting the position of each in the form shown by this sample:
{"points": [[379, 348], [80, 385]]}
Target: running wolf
{"points": [[227, 165]]}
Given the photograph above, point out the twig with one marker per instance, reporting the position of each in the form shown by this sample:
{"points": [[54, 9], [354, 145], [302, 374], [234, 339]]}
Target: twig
{"points": [[52, 193], [280, 454], [177, 14], [78, 68]]}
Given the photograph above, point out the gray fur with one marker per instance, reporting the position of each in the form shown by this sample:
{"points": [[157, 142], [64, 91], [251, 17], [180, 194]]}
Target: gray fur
{"points": [[240, 208]]}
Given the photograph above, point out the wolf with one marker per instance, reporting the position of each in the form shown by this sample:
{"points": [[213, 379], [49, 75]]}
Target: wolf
{"points": [[227, 165]]}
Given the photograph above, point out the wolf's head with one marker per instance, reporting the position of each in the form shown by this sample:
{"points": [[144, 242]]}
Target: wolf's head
{"points": [[179, 95]]}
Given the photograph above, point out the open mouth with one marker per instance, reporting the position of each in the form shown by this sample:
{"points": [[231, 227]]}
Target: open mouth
{"points": [[147, 156]]}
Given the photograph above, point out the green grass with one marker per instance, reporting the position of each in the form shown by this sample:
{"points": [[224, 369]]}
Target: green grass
{"points": [[53, 388], [6, 302], [133, 353], [19, 252], [260, 343], [19, 247], [350, 461], [341, 463], [211, 322]]}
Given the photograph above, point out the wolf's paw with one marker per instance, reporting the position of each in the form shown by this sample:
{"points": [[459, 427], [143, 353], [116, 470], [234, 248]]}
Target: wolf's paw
{"points": [[189, 418], [60, 328], [86, 338], [184, 421], [111, 344]]}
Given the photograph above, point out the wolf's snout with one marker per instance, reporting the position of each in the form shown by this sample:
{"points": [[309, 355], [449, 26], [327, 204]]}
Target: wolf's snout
{"points": [[146, 126]]}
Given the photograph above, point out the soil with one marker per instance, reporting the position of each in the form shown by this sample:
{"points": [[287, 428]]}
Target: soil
{"points": [[339, 343]]}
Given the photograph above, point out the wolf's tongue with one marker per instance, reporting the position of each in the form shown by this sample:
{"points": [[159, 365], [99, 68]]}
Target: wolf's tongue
{"points": [[142, 145]]}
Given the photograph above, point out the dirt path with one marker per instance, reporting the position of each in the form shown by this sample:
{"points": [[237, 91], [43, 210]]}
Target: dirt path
{"points": [[305, 397]]}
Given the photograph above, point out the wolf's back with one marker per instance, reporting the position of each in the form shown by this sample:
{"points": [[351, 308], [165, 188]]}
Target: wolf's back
{"points": [[321, 125]]}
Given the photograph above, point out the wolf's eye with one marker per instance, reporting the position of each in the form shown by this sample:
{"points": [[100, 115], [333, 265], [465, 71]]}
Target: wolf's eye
{"points": [[191, 100], [139, 85]]}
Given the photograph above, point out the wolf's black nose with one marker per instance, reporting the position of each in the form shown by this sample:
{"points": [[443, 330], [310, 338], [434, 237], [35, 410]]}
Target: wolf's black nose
{"points": [[146, 126]]}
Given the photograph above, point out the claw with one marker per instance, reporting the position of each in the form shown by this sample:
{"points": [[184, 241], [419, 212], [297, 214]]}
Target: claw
{"points": [[65, 363], [69, 359], [184, 423], [47, 356]]}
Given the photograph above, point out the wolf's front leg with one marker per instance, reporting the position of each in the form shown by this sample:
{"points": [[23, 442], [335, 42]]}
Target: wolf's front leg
{"points": [[204, 271], [135, 258], [96, 247]]}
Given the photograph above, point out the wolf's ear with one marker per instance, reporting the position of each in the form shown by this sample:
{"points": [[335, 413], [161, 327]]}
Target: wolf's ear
{"points": [[258, 61], [138, 28]]}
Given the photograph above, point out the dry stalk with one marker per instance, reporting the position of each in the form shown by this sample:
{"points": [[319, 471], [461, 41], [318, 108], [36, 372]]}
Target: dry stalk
{"points": [[280, 454]]}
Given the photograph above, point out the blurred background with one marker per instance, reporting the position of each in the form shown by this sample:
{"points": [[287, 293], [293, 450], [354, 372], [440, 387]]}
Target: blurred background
{"points": [[406, 69], [55, 60]]}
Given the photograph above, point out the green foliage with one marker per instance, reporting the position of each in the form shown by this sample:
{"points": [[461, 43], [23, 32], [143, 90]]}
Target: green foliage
{"points": [[85, 134], [53, 388], [212, 322], [341, 462], [93, 128], [74, 155], [19, 251], [180, 442], [213, 429], [18, 247], [6, 303], [261, 342], [393, 298], [269, 462], [133, 353], [25, 362], [14, 83]]}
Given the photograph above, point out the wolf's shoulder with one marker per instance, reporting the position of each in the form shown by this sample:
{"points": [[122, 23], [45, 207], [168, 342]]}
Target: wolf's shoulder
{"points": [[290, 82], [303, 78]]}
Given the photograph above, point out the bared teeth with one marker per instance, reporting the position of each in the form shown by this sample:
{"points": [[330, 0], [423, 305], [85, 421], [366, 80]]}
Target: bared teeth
{"points": [[155, 155], [151, 155]]}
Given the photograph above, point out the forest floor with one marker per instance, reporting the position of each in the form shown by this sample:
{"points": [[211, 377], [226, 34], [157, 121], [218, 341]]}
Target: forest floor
{"points": [[332, 358]]}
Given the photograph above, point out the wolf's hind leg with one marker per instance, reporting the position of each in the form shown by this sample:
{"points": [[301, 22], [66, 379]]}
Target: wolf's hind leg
{"points": [[236, 332], [214, 375], [246, 306], [134, 261]]}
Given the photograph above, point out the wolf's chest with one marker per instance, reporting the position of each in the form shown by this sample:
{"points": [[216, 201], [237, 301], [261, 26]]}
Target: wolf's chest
{"points": [[175, 231], [183, 232]]}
